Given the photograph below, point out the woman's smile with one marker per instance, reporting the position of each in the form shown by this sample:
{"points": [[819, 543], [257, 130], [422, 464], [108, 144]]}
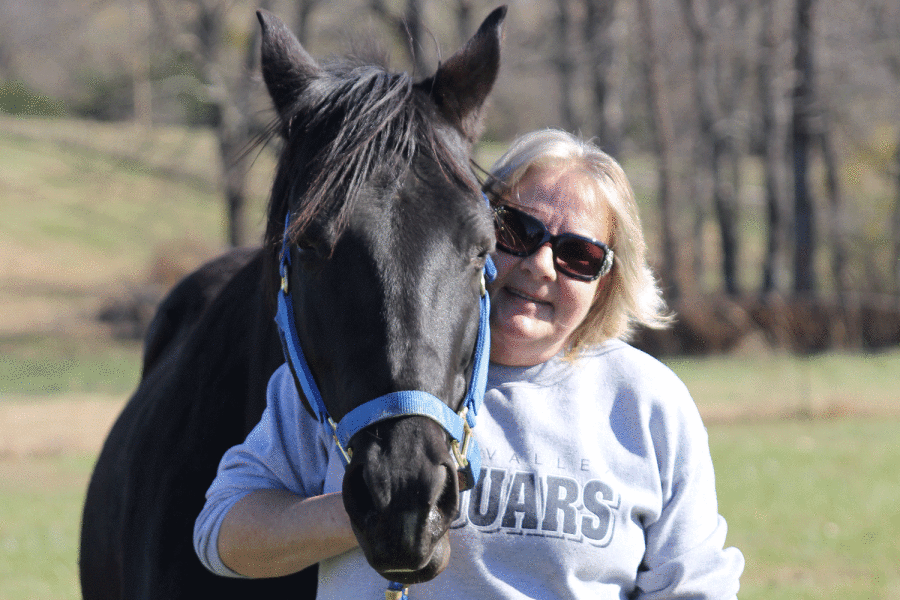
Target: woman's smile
{"points": [[525, 297]]}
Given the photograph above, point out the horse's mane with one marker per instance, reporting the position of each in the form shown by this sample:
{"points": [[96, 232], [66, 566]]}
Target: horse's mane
{"points": [[350, 121]]}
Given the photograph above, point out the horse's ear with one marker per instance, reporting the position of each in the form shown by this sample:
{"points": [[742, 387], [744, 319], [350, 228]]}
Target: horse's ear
{"points": [[462, 84], [286, 67]]}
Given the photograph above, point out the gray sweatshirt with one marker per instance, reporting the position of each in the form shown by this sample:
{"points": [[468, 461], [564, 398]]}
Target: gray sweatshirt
{"points": [[597, 483]]}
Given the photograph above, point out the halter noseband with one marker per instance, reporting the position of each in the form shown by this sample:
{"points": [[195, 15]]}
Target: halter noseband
{"points": [[458, 425]]}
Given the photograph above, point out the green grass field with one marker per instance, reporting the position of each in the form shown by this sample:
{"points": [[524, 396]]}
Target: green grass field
{"points": [[812, 505], [806, 450], [811, 502], [41, 501]]}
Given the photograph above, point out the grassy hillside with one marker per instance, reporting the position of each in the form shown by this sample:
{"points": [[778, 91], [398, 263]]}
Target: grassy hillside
{"points": [[93, 199], [90, 212]]}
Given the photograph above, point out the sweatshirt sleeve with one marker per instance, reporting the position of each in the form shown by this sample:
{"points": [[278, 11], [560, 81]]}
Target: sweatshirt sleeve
{"points": [[284, 451], [685, 554]]}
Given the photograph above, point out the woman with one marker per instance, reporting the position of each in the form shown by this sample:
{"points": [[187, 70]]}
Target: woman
{"points": [[598, 478]]}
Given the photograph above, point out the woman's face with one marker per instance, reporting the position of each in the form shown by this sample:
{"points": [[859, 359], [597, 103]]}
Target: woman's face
{"points": [[534, 307]]}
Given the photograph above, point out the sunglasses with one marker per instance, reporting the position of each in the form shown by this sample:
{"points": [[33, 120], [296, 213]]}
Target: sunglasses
{"points": [[579, 257]]}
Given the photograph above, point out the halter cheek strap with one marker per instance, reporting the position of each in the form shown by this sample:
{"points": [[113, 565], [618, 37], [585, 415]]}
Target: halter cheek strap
{"points": [[458, 425]]}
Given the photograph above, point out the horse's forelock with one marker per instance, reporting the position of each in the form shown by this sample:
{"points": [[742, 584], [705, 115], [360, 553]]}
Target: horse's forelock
{"points": [[349, 123]]}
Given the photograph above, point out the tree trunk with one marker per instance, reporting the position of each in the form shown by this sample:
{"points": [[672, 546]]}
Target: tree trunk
{"points": [[599, 18], [464, 26], [302, 18], [895, 223], [714, 145], [233, 114], [209, 29], [564, 63], [408, 29], [142, 90], [838, 242], [771, 137], [803, 112], [661, 125]]}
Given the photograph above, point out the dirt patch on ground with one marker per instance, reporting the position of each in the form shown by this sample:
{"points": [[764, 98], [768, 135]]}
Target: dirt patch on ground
{"points": [[78, 424], [738, 415], [71, 424]]}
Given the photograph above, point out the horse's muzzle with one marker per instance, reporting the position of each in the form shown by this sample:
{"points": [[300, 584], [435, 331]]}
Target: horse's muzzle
{"points": [[401, 492]]}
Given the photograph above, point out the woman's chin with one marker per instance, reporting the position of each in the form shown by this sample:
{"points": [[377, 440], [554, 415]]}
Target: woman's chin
{"points": [[522, 343], [517, 331]]}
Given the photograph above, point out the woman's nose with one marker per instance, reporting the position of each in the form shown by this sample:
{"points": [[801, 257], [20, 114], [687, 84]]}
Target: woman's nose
{"points": [[541, 263]]}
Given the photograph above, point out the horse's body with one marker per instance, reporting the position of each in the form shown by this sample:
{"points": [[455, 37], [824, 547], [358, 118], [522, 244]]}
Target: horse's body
{"points": [[387, 238], [183, 306], [199, 399]]}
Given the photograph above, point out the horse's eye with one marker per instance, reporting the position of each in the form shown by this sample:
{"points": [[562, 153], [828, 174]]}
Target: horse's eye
{"points": [[307, 251], [479, 259], [483, 251]]}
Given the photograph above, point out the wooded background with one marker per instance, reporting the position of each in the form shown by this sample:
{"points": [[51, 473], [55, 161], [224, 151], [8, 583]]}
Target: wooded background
{"points": [[765, 130]]}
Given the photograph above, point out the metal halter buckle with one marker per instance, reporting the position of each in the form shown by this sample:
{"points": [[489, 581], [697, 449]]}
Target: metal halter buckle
{"points": [[346, 453], [396, 591], [460, 453]]}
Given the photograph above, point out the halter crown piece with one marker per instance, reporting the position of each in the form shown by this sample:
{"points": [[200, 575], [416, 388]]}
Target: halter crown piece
{"points": [[458, 425]]}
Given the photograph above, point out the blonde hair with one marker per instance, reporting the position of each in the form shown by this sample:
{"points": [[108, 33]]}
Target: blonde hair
{"points": [[631, 296]]}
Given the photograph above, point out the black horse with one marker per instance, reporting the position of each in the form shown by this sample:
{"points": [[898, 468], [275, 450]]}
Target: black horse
{"points": [[388, 235]]}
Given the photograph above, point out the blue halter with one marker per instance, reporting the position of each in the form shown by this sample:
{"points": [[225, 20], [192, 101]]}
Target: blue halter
{"points": [[396, 404]]}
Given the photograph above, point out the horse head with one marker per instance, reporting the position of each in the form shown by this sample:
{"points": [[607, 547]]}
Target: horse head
{"points": [[385, 235]]}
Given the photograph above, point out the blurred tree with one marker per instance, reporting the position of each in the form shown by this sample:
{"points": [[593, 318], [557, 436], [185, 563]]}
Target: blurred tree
{"points": [[895, 222], [303, 18], [201, 38], [663, 143], [605, 111], [771, 142], [884, 25], [142, 90], [837, 211], [715, 144], [408, 28], [465, 26], [7, 58], [563, 61], [803, 106]]}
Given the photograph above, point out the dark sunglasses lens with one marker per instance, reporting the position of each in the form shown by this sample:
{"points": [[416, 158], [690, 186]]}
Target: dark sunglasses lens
{"points": [[579, 257], [521, 234], [518, 232]]}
